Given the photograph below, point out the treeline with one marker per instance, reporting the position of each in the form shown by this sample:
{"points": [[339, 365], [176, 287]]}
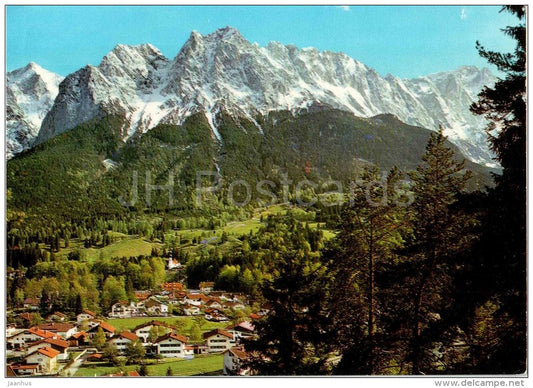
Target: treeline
{"points": [[71, 285]]}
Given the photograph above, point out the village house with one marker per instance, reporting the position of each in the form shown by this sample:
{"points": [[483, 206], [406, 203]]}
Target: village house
{"points": [[206, 287], [196, 299], [172, 345], [154, 307], [172, 287], [57, 344], [31, 304], [57, 317], [65, 330], [243, 330], [142, 295], [235, 306], [26, 318], [215, 315], [143, 330], [46, 358], [80, 338], [121, 341], [25, 370], [27, 336], [234, 359], [11, 329], [218, 340], [190, 309], [213, 303], [85, 316], [109, 330], [123, 309]]}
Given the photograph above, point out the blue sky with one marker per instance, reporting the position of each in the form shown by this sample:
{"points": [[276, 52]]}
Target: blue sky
{"points": [[406, 41]]}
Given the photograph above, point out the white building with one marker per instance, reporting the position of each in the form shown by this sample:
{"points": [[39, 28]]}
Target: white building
{"points": [[234, 360], [219, 340], [172, 345]]}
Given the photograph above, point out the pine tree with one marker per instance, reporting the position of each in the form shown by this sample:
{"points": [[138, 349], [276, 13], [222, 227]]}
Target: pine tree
{"points": [[293, 339], [169, 371], [501, 256], [439, 235], [372, 222], [79, 305]]}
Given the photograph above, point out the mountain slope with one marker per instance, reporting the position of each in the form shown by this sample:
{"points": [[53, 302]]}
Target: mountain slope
{"points": [[223, 71], [30, 93], [91, 172]]}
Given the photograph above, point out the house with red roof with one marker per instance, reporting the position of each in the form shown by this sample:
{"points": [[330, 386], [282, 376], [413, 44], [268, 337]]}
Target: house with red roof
{"points": [[242, 330], [85, 315], [57, 344], [25, 370], [21, 339], [80, 338], [121, 341], [173, 345], [65, 330], [218, 340], [31, 304], [172, 287], [57, 317], [108, 329], [46, 358]]}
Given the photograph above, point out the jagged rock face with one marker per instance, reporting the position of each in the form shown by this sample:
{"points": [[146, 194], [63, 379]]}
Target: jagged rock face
{"points": [[30, 93], [223, 70]]}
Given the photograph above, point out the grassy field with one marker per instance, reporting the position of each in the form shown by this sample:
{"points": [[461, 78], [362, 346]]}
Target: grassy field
{"points": [[199, 365], [127, 246], [182, 323]]}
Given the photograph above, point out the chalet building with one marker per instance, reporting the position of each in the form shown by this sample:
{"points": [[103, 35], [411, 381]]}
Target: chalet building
{"points": [[85, 316], [59, 345], [234, 360], [80, 338], [215, 315], [27, 336], [142, 295], [143, 330], [196, 299], [190, 309], [219, 340], [243, 330], [109, 330], [206, 287], [173, 345], [31, 304], [26, 370], [46, 358], [123, 309], [153, 307], [120, 341], [57, 317], [65, 330]]}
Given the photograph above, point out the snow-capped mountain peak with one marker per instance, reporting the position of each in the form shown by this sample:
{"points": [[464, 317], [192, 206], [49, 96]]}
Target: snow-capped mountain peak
{"points": [[30, 93], [223, 70]]}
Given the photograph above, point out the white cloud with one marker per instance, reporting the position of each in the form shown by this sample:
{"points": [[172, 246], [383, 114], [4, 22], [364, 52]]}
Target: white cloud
{"points": [[344, 7], [463, 14]]}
